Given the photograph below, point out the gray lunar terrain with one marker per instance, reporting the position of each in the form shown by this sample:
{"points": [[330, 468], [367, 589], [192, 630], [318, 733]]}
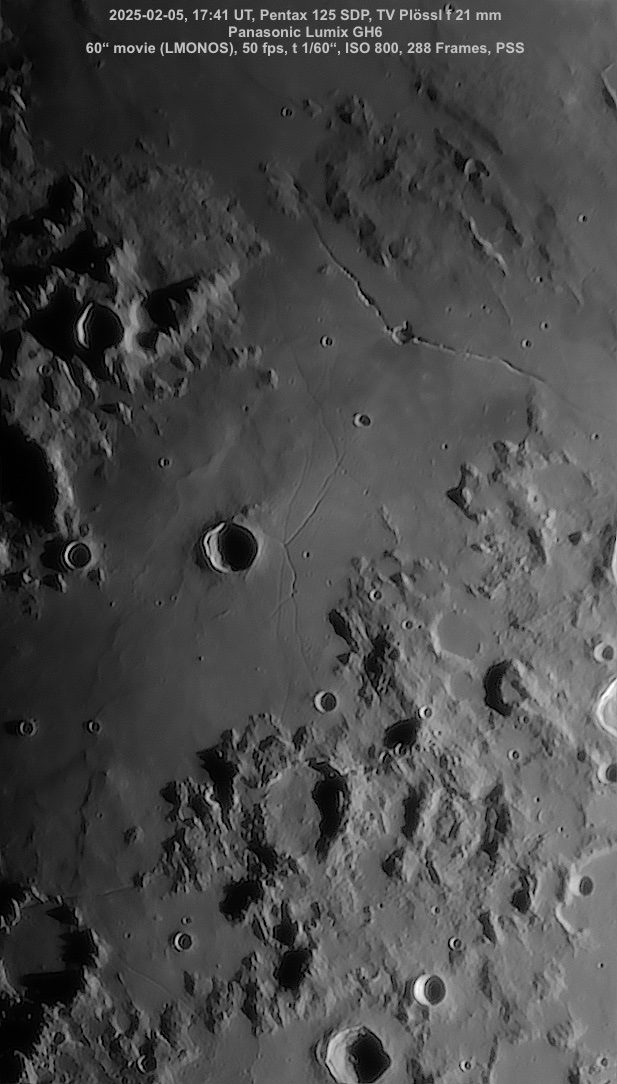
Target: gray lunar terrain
{"points": [[308, 565]]}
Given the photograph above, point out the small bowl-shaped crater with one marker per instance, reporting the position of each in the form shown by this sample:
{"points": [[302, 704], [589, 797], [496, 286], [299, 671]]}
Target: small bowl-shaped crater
{"points": [[455, 944], [585, 886], [607, 773], [182, 941], [76, 556], [93, 726], [465, 1065], [27, 728], [375, 594], [429, 990], [362, 421], [326, 701], [327, 341], [425, 712], [146, 1063], [604, 652], [514, 754], [229, 547]]}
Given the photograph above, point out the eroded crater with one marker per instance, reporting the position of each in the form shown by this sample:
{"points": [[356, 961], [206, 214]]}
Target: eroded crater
{"points": [[47, 955], [503, 689]]}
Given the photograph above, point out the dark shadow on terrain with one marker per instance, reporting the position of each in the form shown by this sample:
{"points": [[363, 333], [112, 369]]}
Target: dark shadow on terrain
{"points": [[378, 662], [53, 326], [292, 969], [87, 255], [169, 306], [368, 1057], [238, 897], [486, 925], [286, 930], [21, 1023], [331, 796], [493, 688], [237, 547], [497, 823], [342, 628], [22, 1018], [27, 484], [261, 852], [221, 773], [9, 347], [401, 736], [412, 809]]}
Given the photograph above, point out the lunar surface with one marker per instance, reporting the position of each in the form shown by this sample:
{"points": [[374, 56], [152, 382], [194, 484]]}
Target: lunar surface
{"points": [[308, 563]]}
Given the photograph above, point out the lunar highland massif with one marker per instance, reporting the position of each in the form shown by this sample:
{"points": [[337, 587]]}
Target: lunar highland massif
{"points": [[308, 564]]}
